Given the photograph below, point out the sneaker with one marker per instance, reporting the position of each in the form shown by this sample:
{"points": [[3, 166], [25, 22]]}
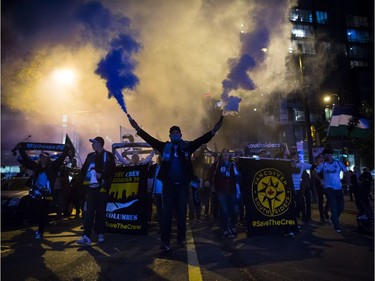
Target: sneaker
{"points": [[38, 235], [337, 229], [289, 234], [84, 240], [100, 238], [165, 247]]}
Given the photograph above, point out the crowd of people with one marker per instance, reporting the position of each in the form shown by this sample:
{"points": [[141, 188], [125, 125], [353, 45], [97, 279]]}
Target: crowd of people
{"points": [[185, 185]]}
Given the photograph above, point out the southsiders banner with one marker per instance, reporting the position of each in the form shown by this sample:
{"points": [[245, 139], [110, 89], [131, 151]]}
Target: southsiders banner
{"points": [[268, 192], [126, 208]]}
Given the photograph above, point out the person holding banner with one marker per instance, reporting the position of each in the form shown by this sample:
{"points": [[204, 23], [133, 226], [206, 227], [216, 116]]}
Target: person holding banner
{"points": [[224, 175], [135, 160], [97, 174], [300, 187], [43, 180], [176, 173], [331, 182]]}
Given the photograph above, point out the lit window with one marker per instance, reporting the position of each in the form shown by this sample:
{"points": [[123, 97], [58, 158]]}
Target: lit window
{"points": [[354, 35], [321, 17], [300, 15], [301, 31]]}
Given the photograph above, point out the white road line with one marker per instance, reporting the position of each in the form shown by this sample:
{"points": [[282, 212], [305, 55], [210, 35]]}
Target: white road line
{"points": [[194, 269]]}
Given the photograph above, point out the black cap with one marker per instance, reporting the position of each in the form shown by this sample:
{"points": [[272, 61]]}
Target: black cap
{"points": [[174, 128], [327, 151], [98, 139]]}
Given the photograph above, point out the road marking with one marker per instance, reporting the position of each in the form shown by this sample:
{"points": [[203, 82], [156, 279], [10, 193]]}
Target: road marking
{"points": [[194, 269]]}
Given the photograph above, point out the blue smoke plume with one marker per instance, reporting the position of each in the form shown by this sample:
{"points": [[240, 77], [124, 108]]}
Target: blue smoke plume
{"points": [[117, 68], [237, 78]]}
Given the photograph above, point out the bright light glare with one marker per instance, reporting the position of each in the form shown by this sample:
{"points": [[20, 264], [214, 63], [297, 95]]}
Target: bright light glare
{"points": [[64, 76], [327, 98]]}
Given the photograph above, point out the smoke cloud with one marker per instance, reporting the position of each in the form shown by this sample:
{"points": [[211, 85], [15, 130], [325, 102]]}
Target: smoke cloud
{"points": [[165, 62]]}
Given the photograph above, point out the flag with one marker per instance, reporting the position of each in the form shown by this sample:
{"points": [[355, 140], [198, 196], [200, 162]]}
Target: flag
{"points": [[345, 121], [72, 150]]}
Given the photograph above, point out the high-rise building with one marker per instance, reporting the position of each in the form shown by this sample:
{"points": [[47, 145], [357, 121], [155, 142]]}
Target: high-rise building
{"points": [[332, 45]]}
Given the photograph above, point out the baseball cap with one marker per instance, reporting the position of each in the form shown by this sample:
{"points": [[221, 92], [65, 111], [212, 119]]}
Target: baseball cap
{"points": [[174, 128], [98, 139]]}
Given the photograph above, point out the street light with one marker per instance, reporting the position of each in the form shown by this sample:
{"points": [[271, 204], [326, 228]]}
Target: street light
{"points": [[330, 103], [329, 100]]}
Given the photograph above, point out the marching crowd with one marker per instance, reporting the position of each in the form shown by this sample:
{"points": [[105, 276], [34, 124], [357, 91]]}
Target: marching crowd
{"points": [[185, 185]]}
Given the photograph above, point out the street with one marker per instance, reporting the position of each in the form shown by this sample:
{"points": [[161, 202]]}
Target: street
{"points": [[316, 253]]}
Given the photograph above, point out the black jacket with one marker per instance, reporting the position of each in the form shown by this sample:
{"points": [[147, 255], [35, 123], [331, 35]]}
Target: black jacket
{"points": [[184, 152], [107, 170]]}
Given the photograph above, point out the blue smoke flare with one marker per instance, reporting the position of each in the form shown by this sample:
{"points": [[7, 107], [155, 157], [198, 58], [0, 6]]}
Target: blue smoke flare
{"points": [[117, 68]]}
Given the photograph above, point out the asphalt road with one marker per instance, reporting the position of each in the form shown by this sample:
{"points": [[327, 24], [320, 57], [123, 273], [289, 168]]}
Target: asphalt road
{"points": [[317, 253]]}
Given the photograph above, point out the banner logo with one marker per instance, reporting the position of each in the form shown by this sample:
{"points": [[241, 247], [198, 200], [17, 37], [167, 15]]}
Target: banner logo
{"points": [[270, 193]]}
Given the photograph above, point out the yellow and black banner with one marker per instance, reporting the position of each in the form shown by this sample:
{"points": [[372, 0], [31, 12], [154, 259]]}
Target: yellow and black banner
{"points": [[127, 202], [268, 194]]}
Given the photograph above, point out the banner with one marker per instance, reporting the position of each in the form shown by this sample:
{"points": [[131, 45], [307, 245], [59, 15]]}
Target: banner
{"points": [[268, 194], [127, 202], [40, 146]]}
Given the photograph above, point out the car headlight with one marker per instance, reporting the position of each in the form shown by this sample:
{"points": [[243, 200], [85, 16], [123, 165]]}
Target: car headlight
{"points": [[14, 202]]}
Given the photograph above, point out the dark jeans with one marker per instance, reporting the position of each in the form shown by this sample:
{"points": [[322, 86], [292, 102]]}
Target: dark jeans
{"points": [[335, 200], [228, 210], [158, 204], [40, 211], [174, 199], [58, 201], [304, 204], [194, 204], [204, 194], [214, 205], [96, 206]]}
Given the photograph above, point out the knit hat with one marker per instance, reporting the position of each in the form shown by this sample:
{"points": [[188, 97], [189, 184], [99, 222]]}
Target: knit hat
{"points": [[174, 128]]}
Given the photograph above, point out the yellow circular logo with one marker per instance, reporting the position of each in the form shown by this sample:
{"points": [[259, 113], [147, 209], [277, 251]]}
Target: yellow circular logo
{"points": [[270, 195]]}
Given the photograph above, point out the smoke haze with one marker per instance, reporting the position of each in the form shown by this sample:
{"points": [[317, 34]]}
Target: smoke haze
{"points": [[184, 56]]}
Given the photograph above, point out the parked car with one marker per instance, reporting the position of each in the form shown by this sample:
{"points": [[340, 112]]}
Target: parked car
{"points": [[16, 201]]}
